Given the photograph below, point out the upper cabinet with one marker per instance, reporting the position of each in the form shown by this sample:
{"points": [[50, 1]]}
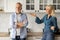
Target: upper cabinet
{"points": [[9, 5], [30, 5], [1, 5], [27, 5], [56, 4]]}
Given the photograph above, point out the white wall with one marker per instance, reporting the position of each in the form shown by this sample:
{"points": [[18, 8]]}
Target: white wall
{"points": [[4, 22]]}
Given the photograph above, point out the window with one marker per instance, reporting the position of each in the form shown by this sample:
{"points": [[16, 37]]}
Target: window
{"points": [[29, 4]]}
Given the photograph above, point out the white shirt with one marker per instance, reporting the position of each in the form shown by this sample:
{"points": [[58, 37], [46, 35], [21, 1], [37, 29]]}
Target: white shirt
{"points": [[18, 20]]}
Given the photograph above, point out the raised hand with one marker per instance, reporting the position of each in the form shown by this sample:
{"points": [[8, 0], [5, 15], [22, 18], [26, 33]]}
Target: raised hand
{"points": [[33, 14]]}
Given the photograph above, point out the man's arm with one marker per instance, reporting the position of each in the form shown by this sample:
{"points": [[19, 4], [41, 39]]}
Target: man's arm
{"points": [[24, 23]]}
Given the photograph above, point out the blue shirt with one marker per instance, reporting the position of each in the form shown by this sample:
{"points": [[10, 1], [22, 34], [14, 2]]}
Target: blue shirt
{"points": [[23, 30], [51, 21]]}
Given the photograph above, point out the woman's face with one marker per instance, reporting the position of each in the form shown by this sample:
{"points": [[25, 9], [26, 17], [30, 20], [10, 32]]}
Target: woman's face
{"points": [[48, 10]]}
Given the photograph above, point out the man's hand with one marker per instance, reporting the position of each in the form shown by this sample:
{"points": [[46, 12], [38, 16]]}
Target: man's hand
{"points": [[52, 28], [19, 25]]}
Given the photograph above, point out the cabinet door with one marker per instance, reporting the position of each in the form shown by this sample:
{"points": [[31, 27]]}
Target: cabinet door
{"points": [[34, 38], [36, 5], [5, 38], [9, 5]]}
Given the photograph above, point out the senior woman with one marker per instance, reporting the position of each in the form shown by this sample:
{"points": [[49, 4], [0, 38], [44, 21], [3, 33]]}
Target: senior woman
{"points": [[50, 22]]}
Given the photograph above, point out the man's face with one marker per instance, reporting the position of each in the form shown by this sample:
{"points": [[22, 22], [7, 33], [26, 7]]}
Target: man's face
{"points": [[18, 8]]}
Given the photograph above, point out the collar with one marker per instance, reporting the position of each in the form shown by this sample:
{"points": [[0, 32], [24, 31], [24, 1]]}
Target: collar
{"points": [[19, 13], [49, 16]]}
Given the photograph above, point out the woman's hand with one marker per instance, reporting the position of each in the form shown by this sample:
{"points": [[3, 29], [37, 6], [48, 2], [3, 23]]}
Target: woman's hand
{"points": [[52, 28], [33, 14]]}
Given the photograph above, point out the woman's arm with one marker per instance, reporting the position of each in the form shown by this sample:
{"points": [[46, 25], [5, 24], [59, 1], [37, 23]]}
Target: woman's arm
{"points": [[55, 26], [38, 20]]}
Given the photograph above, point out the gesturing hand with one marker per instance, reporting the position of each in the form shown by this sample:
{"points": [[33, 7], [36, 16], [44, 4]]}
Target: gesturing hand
{"points": [[33, 14]]}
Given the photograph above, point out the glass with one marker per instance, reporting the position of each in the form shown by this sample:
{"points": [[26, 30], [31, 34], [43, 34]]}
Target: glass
{"points": [[41, 7], [32, 1], [40, 1], [44, 7], [58, 1], [27, 1], [54, 7], [27, 7], [45, 1], [58, 6], [54, 1], [32, 7]]}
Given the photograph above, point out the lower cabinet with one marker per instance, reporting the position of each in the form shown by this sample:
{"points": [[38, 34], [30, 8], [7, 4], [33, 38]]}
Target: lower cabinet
{"points": [[29, 38], [34, 38], [5, 38], [39, 38]]}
